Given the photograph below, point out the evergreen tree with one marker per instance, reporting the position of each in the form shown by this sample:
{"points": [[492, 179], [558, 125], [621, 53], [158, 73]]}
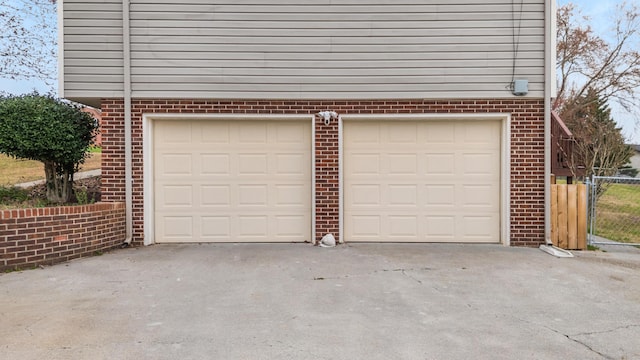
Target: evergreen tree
{"points": [[600, 146]]}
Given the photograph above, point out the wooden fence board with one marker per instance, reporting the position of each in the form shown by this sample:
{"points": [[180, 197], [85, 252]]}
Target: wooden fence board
{"points": [[582, 216], [572, 217], [563, 233], [554, 214]]}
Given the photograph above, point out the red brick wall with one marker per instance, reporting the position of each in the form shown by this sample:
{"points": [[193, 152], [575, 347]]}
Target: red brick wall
{"points": [[527, 149], [327, 174], [31, 237]]}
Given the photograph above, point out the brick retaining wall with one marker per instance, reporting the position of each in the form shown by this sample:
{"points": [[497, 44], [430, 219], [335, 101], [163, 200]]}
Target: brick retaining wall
{"points": [[44, 236]]}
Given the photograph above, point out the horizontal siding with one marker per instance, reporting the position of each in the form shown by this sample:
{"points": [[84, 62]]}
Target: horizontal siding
{"points": [[308, 49], [92, 43]]}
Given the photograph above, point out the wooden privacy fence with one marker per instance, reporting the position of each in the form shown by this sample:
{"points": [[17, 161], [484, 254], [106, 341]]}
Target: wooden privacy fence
{"points": [[569, 216]]}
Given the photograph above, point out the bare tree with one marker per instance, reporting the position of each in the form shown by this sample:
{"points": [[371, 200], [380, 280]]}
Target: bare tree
{"points": [[610, 67], [594, 71], [28, 39]]}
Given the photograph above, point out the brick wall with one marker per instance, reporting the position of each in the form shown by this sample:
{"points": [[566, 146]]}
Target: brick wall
{"points": [[327, 184], [31, 237], [527, 149]]}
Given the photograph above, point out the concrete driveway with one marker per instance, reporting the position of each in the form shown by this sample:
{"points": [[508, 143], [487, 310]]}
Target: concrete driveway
{"points": [[368, 301]]}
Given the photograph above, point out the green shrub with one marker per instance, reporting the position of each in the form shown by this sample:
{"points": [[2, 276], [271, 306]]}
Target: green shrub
{"points": [[49, 130], [13, 194], [82, 197]]}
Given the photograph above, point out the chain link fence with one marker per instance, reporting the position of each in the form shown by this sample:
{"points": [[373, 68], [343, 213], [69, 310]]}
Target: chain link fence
{"points": [[614, 211]]}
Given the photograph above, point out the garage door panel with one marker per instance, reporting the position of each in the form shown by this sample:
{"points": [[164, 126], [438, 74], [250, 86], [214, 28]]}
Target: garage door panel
{"points": [[293, 133], [439, 164], [402, 226], [253, 195], [255, 226], [215, 195], [365, 164], [365, 194], [440, 228], [177, 195], [479, 133], [252, 133], [290, 226], [439, 195], [252, 164], [402, 195], [365, 227], [214, 132], [291, 164], [479, 228], [402, 164], [176, 133], [215, 164], [478, 164], [290, 196], [476, 196], [222, 189], [176, 164], [178, 227], [432, 186], [403, 133], [366, 134], [440, 133], [216, 227]]}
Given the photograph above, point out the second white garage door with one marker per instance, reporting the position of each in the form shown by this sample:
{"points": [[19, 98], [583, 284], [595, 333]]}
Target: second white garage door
{"points": [[232, 181], [422, 181]]}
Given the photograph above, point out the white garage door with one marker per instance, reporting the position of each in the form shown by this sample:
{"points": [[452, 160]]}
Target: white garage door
{"points": [[422, 181], [232, 181]]}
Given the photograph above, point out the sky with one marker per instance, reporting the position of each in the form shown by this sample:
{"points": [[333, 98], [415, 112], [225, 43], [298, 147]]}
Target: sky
{"points": [[599, 11], [23, 87]]}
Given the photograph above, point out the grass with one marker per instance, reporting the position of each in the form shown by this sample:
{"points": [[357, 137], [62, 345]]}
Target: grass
{"points": [[13, 171], [618, 213]]}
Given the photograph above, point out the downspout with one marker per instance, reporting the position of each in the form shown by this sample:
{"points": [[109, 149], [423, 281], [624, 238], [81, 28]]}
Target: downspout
{"points": [[547, 118], [549, 90], [60, 49], [126, 57]]}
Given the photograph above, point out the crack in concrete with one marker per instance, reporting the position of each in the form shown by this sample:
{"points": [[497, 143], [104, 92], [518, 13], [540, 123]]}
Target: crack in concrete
{"points": [[583, 344], [574, 340], [608, 331], [411, 277], [570, 337], [400, 270]]}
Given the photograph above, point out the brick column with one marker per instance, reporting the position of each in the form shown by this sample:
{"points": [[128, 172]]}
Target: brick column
{"points": [[327, 179], [113, 150]]}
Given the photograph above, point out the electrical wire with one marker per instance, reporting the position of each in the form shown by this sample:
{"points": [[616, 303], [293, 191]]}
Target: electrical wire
{"points": [[515, 36]]}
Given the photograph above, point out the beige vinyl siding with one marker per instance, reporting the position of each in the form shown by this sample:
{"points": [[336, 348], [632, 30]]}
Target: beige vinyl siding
{"points": [[322, 49], [92, 42]]}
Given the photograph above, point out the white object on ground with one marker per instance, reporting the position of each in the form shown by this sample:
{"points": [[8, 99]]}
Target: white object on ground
{"points": [[556, 251], [328, 241]]}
